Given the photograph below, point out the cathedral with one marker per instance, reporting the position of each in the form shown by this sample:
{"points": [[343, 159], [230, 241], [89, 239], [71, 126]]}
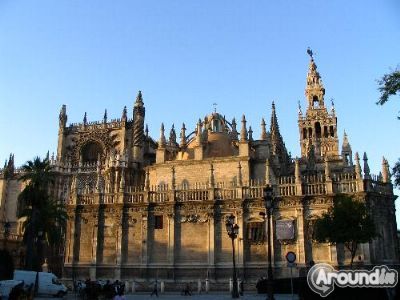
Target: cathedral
{"points": [[144, 207]]}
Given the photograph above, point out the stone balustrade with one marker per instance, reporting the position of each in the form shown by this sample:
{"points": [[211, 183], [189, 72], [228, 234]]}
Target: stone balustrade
{"points": [[287, 186]]}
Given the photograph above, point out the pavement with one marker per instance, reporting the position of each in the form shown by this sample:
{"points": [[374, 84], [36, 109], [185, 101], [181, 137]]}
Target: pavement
{"points": [[210, 296]]}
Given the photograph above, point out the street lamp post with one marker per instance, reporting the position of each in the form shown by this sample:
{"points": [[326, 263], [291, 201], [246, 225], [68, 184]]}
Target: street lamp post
{"points": [[7, 227], [268, 197], [233, 230]]}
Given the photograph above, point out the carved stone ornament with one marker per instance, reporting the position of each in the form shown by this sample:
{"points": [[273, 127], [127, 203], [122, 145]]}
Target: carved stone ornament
{"points": [[193, 218], [131, 221]]}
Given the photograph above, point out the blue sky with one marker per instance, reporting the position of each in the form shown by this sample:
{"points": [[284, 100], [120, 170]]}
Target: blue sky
{"points": [[186, 55]]}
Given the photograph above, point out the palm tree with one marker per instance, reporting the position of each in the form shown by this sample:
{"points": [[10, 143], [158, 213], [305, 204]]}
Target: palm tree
{"points": [[45, 217], [49, 230]]}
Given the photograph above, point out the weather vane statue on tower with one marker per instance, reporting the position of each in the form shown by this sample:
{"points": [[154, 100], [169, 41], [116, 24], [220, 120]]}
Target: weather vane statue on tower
{"points": [[309, 52]]}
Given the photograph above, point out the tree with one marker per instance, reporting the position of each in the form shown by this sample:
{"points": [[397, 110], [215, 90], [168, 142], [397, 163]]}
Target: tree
{"points": [[389, 85], [347, 222], [45, 218]]}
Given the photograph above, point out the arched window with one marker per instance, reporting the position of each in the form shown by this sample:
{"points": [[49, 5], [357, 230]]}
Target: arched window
{"points": [[326, 131], [315, 102], [317, 129], [91, 151], [310, 132], [331, 131], [304, 133]]}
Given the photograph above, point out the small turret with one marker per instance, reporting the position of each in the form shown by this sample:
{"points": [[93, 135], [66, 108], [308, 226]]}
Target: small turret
{"points": [[63, 116], [162, 142], [346, 150], [124, 116], [358, 167], [366, 167], [263, 130], [250, 134], [172, 137], [199, 133], [138, 127], [105, 116], [243, 130], [183, 141], [234, 132], [385, 171], [212, 179], [85, 119]]}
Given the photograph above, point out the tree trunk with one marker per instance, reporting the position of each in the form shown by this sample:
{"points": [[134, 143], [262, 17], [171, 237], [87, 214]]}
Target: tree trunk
{"points": [[30, 240]]}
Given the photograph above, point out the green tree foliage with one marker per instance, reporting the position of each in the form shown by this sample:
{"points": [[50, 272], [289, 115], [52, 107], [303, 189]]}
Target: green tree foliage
{"points": [[396, 174], [347, 222], [45, 218], [389, 85]]}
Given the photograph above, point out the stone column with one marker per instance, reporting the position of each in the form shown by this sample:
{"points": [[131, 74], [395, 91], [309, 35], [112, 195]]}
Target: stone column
{"points": [[239, 240], [171, 239], [211, 241], [94, 225], [69, 258], [118, 242], [301, 258], [144, 257]]}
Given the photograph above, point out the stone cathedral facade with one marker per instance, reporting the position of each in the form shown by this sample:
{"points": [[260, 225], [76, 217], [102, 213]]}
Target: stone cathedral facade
{"points": [[143, 207]]}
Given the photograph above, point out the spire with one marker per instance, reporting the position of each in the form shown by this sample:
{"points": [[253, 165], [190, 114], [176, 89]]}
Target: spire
{"points": [[105, 116], [346, 150], [274, 120], [358, 166], [263, 130], [183, 136], [385, 171], [366, 167], [243, 130], [199, 139], [139, 112], [85, 119], [63, 116], [250, 134], [124, 114], [162, 141], [234, 130], [172, 136], [139, 99]]}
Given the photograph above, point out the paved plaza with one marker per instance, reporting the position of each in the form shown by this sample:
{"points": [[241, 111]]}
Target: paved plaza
{"points": [[211, 296]]}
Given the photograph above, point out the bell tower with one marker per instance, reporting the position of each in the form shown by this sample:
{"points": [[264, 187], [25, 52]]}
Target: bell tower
{"points": [[318, 128]]}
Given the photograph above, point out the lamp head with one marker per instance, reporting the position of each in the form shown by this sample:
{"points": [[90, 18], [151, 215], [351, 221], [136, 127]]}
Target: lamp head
{"points": [[267, 192]]}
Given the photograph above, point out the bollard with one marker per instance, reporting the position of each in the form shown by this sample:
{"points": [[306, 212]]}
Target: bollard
{"points": [[126, 287], [133, 287], [207, 286], [199, 286], [230, 285], [162, 287]]}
